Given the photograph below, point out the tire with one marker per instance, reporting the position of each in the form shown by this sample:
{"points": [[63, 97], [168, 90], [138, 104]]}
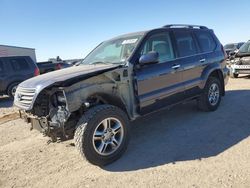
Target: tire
{"points": [[91, 123], [12, 89], [233, 75], [210, 101]]}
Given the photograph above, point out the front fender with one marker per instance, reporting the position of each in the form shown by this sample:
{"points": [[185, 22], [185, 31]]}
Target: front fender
{"points": [[77, 96]]}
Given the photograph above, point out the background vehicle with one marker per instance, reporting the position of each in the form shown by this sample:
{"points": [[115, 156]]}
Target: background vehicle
{"points": [[232, 47], [14, 70], [122, 79], [49, 66], [240, 62]]}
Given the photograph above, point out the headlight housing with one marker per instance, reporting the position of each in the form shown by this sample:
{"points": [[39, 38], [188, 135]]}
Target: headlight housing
{"points": [[59, 98]]}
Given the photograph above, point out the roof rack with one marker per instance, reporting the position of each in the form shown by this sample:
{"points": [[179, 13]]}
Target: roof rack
{"points": [[185, 26]]}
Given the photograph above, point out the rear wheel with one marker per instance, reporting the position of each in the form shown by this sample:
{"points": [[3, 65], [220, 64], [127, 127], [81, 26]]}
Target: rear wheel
{"points": [[102, 134], [211, 96], [12, 90]]}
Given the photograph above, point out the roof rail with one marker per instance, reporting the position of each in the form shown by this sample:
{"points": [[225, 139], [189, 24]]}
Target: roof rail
{"points": [[185, 26]]}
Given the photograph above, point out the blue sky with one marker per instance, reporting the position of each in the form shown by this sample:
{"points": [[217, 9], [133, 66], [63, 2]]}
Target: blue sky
{"points": [[71, 28]]}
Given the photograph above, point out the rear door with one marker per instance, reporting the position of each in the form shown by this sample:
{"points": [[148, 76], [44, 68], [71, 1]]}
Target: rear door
{"points": [[190, 59], [159, 84], [3, 75], [208, 48]]}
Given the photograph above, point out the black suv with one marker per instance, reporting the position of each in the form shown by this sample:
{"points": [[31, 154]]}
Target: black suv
{"points": [[122, 79], [14, 70]]}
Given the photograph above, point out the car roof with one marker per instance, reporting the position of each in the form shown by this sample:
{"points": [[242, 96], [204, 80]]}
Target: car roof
{"points": [[166, 27]]}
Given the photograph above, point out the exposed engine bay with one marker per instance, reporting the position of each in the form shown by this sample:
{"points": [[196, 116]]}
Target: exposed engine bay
{"points": [[57, 108], [50, 114]]}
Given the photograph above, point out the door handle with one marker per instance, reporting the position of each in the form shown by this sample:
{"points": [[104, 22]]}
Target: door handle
{"points": [[176, 66], [202, 60]]}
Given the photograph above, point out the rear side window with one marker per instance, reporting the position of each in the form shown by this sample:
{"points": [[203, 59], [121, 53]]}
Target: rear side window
{"points": [[18, 64], [206, 41], [185, 43], [1, 66]]}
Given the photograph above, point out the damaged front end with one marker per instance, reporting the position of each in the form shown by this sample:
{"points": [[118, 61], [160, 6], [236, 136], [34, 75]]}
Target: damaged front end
{"points": [[50, 115]]}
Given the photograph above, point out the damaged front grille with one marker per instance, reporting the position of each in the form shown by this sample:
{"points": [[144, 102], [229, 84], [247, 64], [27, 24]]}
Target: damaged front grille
{"points": [[24, 97], [41, 105]]}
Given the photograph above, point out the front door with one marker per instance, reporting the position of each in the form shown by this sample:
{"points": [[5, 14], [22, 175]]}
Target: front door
{"points": [[160, 84]]}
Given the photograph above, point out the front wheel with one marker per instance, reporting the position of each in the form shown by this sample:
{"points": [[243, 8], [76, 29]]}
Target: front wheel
{"points": [[102, 134], [211, 96]]}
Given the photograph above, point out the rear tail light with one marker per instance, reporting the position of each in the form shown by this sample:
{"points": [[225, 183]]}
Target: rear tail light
{"points": [[223, 50], [36, 72], [58, 66]]}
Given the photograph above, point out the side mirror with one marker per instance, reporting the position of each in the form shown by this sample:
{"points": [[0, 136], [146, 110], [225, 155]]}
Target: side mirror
{"points": [[149, 58]]}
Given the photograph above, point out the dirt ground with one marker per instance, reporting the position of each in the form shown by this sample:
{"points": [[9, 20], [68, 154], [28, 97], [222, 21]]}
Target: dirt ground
{"points": [[181, 147]]}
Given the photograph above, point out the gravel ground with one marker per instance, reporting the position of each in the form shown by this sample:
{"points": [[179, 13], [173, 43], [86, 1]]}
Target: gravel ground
{"points": [[181, 147]]}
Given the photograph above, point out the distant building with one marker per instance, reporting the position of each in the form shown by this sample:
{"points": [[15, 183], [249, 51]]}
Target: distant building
{"points": [[6, 51]]}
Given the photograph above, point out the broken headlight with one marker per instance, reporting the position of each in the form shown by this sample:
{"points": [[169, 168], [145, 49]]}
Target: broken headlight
{"points": [[61, 98]]}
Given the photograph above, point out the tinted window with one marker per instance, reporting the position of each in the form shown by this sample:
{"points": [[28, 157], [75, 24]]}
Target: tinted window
{"points": [[239, 45], [160, 43], [206, 41], [1, 66], [19, 64], [185, 43], [245, 48]]}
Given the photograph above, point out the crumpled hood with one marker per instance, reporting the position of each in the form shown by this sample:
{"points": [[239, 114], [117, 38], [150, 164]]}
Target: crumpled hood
{"points": [[65, 75]]}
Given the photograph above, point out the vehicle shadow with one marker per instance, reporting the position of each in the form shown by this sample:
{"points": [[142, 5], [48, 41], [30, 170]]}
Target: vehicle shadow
{"points": [[184, 133], [6, 102]]}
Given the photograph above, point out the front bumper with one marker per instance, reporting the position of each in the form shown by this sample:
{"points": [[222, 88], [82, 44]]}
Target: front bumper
{"points": [[240, 69], [38, 123], [53, 129]]}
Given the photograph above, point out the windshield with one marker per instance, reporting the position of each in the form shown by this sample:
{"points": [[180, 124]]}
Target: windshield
{"points": [[114, 51], [245, 48]]}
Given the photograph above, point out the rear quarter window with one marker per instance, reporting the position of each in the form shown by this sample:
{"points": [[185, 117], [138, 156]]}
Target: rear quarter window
{"points": [[206, 41], [18, 64]]}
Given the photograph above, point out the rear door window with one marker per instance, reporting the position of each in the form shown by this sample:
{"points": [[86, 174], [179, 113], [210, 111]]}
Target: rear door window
{"points": [[1, 66], [185, 43], [19, 64], [206, 41]]}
